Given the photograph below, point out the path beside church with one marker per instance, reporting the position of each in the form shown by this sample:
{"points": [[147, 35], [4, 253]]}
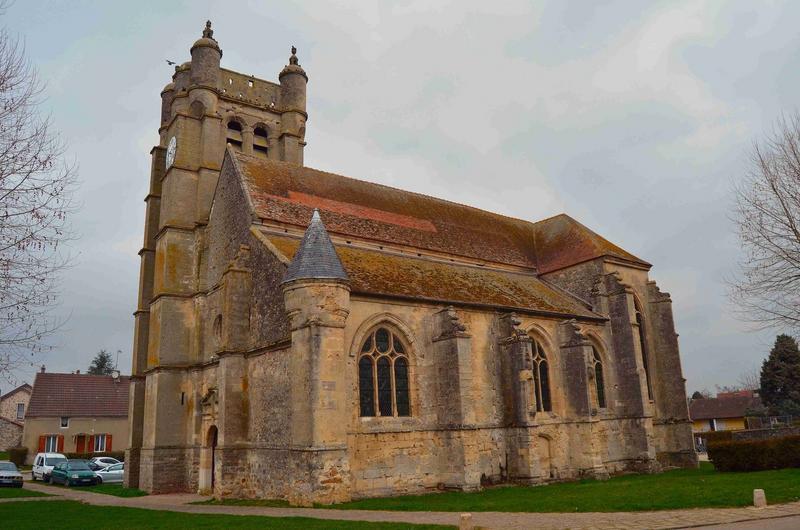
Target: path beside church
{"points": [[490, 520]]}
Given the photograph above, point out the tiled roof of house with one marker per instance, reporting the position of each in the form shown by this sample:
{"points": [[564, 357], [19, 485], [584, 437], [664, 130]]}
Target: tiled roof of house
{"points": [[23, 386], [287, 194], [724, 407], [381, 273], [78, 395]]}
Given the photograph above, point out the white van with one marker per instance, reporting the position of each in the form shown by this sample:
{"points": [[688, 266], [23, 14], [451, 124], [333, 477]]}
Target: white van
{"points": [[43, 465]]}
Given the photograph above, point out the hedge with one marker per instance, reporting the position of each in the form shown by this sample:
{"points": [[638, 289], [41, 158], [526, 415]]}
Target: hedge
{"points": [[755, 455], [119, 455], [18, 455]]}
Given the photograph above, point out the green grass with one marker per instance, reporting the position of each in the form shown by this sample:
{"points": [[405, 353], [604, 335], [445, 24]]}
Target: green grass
{"points": [[3, 455], [117, 490], [13, 493], [685, 488], [74, 515]]}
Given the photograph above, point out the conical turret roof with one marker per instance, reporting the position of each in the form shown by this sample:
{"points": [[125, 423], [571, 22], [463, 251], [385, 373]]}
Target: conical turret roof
{"points": [[315, 258]]}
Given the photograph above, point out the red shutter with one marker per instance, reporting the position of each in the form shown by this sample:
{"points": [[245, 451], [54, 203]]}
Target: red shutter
{"points": [[90, 446], [60, 443], [41, 444], [108, 443], [80, 444]]}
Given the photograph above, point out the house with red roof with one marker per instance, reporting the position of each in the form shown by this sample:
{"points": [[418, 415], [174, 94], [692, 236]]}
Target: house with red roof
{"points": [[77, 413]]}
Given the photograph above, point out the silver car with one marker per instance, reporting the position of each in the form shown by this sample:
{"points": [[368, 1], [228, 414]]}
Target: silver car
{"points": [[9, 474], [112, 474]]}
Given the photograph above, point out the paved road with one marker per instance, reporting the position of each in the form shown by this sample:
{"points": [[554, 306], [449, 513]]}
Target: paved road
{"points": [[769, 517], [784, 523]]}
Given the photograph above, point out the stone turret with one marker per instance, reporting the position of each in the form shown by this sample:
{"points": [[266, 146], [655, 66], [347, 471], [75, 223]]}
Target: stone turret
{"points": [[317, 299], [206, 56], [293, 81]]}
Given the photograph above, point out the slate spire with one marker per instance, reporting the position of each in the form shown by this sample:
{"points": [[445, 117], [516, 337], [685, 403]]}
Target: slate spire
{"points": [[315, 258]]}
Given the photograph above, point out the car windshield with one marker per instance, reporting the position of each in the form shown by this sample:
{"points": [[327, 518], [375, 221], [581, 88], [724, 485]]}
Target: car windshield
{"points": [[53, 460], [79, 466], [7, 466]]}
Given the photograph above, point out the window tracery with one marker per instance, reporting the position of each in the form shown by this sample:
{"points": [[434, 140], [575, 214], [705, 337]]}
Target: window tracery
{"points": [[383, 387]]}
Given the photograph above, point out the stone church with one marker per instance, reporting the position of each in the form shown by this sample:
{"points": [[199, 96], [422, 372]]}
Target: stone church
{"points": [[308, 336]]}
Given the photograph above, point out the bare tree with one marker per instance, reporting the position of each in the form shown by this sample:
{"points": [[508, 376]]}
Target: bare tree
{"points": [[35, 203], [750, 379], [767, 288]]}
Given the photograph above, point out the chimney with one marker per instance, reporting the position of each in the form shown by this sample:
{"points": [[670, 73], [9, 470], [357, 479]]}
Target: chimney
{"points": [[78, 372], [41, 370]]}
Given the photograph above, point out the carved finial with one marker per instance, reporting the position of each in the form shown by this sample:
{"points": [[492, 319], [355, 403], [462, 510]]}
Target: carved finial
{"points": [[293, 58], [208, 33]]}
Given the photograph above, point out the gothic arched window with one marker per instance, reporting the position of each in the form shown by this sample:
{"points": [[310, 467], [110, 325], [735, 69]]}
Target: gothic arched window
{"points": [[260, 142], [643, 347], [383, 375], [541, 378], [234, 134], [599, 383]]}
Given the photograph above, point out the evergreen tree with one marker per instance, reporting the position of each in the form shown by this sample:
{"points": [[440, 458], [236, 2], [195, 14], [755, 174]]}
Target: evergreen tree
{"points": [[102, 364], [780, 377], [698, 395]]}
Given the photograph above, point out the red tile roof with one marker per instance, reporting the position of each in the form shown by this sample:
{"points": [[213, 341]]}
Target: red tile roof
{"points": [[375, 272], [78, 395], [288, 193], [724, 407]]}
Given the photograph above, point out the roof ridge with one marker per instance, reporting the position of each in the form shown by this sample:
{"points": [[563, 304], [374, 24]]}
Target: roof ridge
{"points": [[386, 186]]}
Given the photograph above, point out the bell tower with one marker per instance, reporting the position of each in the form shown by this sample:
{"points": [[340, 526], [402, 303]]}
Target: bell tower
{"points": [[203, 109]]}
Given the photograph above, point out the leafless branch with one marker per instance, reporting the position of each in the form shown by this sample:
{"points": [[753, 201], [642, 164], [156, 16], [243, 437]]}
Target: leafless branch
{"points": [[36, 186]]}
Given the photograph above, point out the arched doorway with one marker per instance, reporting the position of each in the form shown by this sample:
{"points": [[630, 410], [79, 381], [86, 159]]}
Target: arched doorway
{"points": [[211, 441], [208, 462]]}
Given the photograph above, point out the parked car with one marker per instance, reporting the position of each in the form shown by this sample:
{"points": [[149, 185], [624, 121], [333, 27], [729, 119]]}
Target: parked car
{"points": [[43, 465], [9, 474], [73, 473], [102, 462], [112, 474]]}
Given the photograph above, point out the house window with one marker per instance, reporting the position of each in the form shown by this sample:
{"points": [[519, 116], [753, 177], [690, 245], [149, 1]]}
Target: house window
{"points": [[20, 411], [599, 384], [643, 347], [51, 443], [383, 387], [99, 443], [541, 378], [64, 422]]}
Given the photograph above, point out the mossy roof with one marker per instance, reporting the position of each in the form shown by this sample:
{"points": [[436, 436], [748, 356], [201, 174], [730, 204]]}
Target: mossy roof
{"points": [[375, 272], [288, 193]]}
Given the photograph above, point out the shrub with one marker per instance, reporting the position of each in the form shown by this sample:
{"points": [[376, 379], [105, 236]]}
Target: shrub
{"points": [[755, 455], [119, 455], [18, 455], [718, 436]]}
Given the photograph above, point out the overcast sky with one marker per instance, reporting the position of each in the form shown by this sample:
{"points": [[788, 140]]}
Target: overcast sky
{"points": [[633, 117]]}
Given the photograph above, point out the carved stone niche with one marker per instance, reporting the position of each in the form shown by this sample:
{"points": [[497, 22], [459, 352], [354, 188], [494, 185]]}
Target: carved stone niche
{"points": [[209, 403]]}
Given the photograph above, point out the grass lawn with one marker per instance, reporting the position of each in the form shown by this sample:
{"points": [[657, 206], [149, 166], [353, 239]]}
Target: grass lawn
{"points": [[116, 490], [685, 488], [13, 493], [3, 455], [71, 514]]}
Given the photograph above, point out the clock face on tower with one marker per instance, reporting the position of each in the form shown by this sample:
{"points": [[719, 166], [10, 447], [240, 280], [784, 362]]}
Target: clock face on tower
{"points": [[171, 148]]}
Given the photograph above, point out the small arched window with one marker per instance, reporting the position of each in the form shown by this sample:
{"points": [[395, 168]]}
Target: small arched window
{"points": [[541, 378], [234, 134], [599, 382], [643, 347], [383, 375], [260, 141]]}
